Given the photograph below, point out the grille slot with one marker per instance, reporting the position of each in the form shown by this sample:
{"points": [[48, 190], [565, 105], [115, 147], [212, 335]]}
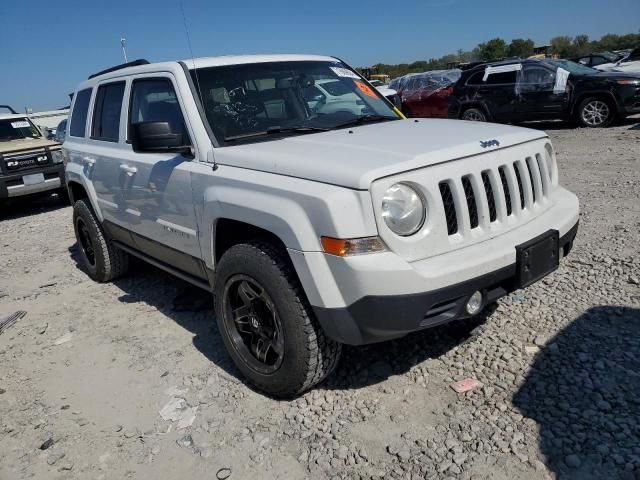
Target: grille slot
{"points": [[533, 183], [491, 200], [505, 187], [543, 177], [471, 201], [520, 187], [449, 208]]}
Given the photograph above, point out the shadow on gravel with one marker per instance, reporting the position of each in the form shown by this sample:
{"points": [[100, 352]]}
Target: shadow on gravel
{"points": [[371, 364], [18, 207], [584, 392], [359, 367]]}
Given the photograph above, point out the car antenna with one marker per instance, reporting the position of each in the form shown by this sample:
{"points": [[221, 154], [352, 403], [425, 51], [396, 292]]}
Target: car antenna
{"points": [[195, 70]]}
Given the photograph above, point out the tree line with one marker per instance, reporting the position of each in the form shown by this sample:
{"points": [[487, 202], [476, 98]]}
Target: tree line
{"points": [[497, 48]]}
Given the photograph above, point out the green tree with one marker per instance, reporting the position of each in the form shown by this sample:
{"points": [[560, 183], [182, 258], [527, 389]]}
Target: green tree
{"points": [[519, 47], [581, 45], [562, 46], [494, 49]]}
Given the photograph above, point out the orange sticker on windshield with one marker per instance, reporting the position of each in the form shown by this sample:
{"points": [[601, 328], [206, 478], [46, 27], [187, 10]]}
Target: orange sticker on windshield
{"points": [[366, 89]]}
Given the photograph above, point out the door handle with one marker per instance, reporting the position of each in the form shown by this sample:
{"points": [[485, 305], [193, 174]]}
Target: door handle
{"points": [[129, 170], [89, 161]]}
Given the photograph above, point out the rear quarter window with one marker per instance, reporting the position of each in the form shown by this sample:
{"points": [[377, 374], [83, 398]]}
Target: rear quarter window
{"points": [[79, 113]]}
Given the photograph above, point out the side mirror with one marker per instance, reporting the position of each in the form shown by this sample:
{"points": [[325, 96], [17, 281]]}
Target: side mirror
{"points": [[156, 137]]}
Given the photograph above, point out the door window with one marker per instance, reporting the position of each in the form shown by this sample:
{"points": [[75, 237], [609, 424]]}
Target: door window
{"points": [[155, 100], [535, 75], [106, 113], [502, 78], [79, 113]]}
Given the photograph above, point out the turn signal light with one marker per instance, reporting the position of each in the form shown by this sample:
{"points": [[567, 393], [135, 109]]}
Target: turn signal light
{"points": [[352, 246]]}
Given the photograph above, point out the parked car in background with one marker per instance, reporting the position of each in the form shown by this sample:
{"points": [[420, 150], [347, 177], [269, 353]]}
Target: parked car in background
{"points": [[426, 94], [524, 90], [61, 131], [630, 63], [595, 59], [387, 92], [29, 163]]}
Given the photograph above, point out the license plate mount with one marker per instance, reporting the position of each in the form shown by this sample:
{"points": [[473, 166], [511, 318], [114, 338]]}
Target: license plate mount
{"points": [[33, 179], [537, 258]]}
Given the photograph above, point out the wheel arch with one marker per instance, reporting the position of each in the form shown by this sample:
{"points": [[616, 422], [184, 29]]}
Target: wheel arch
{"points": [[610, 97], [474, 104]]}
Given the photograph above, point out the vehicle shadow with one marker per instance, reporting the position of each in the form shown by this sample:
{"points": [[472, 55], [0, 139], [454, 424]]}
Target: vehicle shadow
{"points": [[583, 391], [192, 308], [19, 207]]}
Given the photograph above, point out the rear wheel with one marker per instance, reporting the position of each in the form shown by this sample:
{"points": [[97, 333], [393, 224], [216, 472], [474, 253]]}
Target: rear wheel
{"points": [[101, 258], [474, 114], [595, 113], [266, 322]]}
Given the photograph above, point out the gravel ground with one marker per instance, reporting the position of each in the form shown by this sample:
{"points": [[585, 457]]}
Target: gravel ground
{"points": [[125, 380]]}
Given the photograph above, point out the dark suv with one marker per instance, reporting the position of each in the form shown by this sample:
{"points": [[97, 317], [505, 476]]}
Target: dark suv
{"points": [[523, 90]]}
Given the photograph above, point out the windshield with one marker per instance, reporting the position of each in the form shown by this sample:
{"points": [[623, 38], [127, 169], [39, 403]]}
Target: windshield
{"points": [[17, 129], [264, 101], [573, 67]]}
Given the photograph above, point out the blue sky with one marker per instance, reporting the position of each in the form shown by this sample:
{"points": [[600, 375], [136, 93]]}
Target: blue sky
{"points": [[50, 46]]}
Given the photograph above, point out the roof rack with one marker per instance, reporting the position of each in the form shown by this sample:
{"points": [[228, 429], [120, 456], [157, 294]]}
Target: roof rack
{"points": [[135, 63], [11, 110]]}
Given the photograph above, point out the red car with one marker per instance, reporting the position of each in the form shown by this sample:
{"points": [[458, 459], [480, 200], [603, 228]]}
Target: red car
{"points": [[426, 94]]}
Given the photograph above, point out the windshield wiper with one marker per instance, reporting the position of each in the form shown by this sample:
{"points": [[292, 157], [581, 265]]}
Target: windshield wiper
{"points": [[364, 119], [277, 129]]}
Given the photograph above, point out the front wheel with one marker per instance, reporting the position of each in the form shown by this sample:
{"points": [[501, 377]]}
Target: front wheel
{"points": [[102, 259], [474, 115], [595, 113], [267, 324]]}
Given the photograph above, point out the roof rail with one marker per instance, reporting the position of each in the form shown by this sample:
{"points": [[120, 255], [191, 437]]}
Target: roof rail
{"points": [[11, 110], [135, 63]]}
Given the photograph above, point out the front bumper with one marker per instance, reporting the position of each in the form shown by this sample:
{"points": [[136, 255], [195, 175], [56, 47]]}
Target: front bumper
{"points": [[12, 185], [385, 317]]}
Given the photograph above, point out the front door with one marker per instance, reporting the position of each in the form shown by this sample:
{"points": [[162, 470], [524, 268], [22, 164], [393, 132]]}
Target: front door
{"points": [[160, 207], [539, 96]]}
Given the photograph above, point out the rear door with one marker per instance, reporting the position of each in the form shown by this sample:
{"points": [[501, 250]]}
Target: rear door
{"points": [[498, 93], [538, 97], [157, 188]]}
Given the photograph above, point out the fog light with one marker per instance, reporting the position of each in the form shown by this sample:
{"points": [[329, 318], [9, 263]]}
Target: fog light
{"points": [[474, 304]]}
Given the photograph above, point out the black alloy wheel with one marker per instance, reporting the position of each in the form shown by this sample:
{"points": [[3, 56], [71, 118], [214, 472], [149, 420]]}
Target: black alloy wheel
{"points": [[253, 324]]}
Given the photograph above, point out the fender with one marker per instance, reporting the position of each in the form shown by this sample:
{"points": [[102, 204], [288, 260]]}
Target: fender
{"points": [[575, 101], [295, 210], [464, 104], [76, 173]]}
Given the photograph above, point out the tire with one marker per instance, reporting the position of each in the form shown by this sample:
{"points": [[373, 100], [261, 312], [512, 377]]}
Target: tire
{"points": [[474, 114], [102, 260], [299, 354], [595, 112]]}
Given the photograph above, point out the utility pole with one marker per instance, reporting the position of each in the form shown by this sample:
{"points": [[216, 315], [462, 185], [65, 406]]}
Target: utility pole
{"points": [[124, 48]]}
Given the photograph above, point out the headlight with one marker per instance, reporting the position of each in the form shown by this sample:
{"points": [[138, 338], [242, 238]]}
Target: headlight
{"points": [[629, 81], [56, 156], [403, 209]]}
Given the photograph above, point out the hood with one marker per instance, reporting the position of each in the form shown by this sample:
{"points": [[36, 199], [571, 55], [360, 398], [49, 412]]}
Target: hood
{"points": [[25, 144], [612, 75], [355, 157]]}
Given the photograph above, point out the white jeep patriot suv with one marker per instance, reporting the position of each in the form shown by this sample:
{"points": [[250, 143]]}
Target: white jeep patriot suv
{"points": [[312, 227]]}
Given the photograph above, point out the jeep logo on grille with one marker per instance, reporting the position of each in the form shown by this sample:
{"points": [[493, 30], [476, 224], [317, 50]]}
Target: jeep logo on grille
{"points": [[489, 143]]}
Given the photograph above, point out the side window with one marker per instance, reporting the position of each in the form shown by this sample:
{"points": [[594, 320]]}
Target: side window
{"points": [[155, 100], [502, 78], [585, 61], [598, 60], [106, 112], [537, 75], [476, 78], [79, 113]]}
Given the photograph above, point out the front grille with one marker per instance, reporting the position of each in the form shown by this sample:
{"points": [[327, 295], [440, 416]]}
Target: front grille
{"points": [[449, 208], [25, 161], [471, 201], [505, 188], [524, 183], [491, 200]]}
